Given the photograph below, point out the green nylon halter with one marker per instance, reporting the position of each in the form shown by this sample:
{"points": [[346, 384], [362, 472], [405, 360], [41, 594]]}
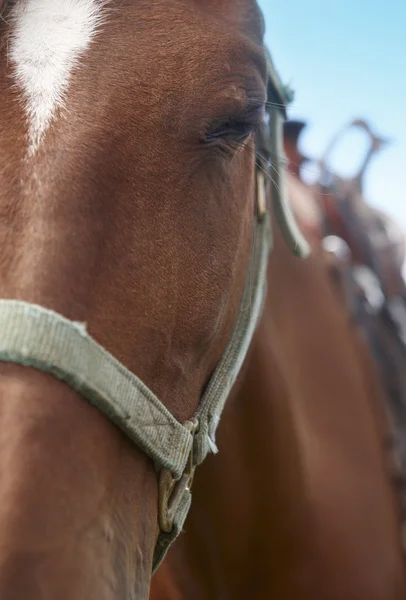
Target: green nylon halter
{"points": [[37, 337]]}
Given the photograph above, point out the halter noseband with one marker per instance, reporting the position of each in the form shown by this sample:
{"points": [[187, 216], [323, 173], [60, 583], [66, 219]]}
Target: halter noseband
{"points": [[37, 337]]}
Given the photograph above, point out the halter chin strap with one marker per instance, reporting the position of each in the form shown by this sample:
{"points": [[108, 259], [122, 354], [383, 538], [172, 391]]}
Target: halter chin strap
{"points": [[37, 337]]}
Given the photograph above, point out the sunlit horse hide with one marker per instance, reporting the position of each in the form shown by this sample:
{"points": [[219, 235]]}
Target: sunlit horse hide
{"points": [[135, 229], [373, 252], [298, 502]]}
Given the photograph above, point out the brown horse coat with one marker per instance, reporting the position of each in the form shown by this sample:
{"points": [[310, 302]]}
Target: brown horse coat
{"points": [[298, 503]]}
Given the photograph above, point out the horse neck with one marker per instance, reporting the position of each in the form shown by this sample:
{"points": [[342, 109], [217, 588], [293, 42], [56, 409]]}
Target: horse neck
{"points": [[297, 502], [236, 545], [338, 403]]}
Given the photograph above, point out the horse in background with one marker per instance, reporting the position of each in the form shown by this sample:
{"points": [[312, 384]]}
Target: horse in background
{"points": [[376, 253], [298, 502], [374, 239], [369, 251]]}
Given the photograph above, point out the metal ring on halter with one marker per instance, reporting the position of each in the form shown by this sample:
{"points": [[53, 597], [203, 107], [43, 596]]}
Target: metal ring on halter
{"points": [[171, 491]]}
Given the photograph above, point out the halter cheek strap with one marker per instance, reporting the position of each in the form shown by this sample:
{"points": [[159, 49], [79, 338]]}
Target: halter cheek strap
{"points": [[34, 336]]}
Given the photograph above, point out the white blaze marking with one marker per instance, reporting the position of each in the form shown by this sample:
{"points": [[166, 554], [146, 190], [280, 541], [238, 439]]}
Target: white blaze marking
{"points": [[48, 37]]}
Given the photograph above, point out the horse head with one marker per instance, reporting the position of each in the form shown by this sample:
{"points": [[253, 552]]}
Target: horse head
{"points": [[127, 220]]}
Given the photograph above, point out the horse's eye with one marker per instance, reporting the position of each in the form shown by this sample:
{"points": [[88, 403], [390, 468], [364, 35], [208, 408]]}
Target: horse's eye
{"points": [[231, 130]]}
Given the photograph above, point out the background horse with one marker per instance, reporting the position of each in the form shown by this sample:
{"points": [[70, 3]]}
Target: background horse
{"points": [[376, 289], [127, 216], [298, 503]]}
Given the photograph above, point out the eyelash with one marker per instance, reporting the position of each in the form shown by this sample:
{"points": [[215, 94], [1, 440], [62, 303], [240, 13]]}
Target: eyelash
{"points": [[232, 129], [238, 128]]}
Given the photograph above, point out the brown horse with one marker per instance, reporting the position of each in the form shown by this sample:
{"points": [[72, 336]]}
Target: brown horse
{"points": [[298, 504], [367, 251], [127, 216], [377, 295]]}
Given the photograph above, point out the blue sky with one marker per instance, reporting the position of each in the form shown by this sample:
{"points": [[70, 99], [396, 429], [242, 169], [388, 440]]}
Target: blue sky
{"points": [[347, 59]]}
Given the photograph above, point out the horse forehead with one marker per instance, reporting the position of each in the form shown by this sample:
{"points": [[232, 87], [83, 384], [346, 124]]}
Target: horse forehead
{"points": [[47, 40]]}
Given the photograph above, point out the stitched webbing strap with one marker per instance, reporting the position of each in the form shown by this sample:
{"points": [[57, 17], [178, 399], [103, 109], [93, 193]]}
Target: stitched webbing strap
{"points": [[226, 372], [229, 366], [230, 363], [37, 337], [283, 213]]}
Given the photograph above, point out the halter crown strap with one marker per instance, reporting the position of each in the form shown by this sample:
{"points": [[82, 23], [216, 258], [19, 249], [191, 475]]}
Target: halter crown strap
{"points": [[278, 97]]}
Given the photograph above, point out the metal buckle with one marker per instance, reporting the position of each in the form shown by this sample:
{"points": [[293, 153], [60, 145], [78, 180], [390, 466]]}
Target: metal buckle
{"points": [[171, 491], [261, 195]]}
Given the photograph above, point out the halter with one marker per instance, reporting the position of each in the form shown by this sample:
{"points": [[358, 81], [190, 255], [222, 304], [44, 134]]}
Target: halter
{"points": [[34, 336]]}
